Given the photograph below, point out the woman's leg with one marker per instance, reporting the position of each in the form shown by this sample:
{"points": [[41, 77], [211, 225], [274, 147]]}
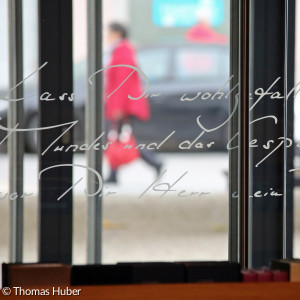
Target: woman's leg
{"points": [[112, 125], [112, 178], [151, 158], [148, 156]]}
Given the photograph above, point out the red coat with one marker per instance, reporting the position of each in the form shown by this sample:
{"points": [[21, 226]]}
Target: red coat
{"points": [[118, 102]]}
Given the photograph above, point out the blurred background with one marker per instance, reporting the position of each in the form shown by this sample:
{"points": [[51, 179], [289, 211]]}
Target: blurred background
{"points": [[183, 48]]}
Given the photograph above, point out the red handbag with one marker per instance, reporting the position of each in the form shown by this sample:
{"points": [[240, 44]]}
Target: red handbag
{"points": [[122, 150]]}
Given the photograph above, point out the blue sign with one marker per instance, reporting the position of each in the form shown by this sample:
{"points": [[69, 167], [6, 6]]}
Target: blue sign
{"points": [[187, 13]]}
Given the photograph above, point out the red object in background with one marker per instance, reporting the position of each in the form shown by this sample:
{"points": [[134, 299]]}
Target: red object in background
{"points": [[203, 33], [249, 276], [280, 275], [264, 275], [117, 155], [118, 102]]}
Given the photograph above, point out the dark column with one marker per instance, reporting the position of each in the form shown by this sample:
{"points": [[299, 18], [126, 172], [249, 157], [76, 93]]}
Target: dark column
{"points": [[55, 46], [268, 62]]}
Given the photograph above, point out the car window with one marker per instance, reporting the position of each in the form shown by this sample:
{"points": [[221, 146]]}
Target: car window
{"points": [[154, 63], [201, 63]]}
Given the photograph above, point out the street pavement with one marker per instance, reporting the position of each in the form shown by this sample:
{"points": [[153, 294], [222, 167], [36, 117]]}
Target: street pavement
{"points": [[140, 223], [198, 172]]}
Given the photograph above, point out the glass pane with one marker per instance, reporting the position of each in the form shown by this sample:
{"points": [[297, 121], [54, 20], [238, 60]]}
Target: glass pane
{"points": [[4, 203], [171, 203], [30, 103]]}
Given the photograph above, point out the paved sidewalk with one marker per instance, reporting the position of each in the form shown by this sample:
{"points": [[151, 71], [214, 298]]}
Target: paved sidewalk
{"points": [[204, 173], [170, 228]]}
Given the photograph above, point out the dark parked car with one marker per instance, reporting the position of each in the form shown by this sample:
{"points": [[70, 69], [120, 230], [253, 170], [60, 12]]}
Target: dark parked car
{"points": [[175, 72]]}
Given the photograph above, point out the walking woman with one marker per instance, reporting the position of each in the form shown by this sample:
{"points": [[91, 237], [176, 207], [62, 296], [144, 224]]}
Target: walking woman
{"points": [[119, 109]]}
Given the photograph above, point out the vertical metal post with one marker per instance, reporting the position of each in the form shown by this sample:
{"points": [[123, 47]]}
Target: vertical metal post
{"points": [[285, 117], [15, 140], [289, 66], [290, 24], [234, 211], [93, 128], [244, 131]]}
